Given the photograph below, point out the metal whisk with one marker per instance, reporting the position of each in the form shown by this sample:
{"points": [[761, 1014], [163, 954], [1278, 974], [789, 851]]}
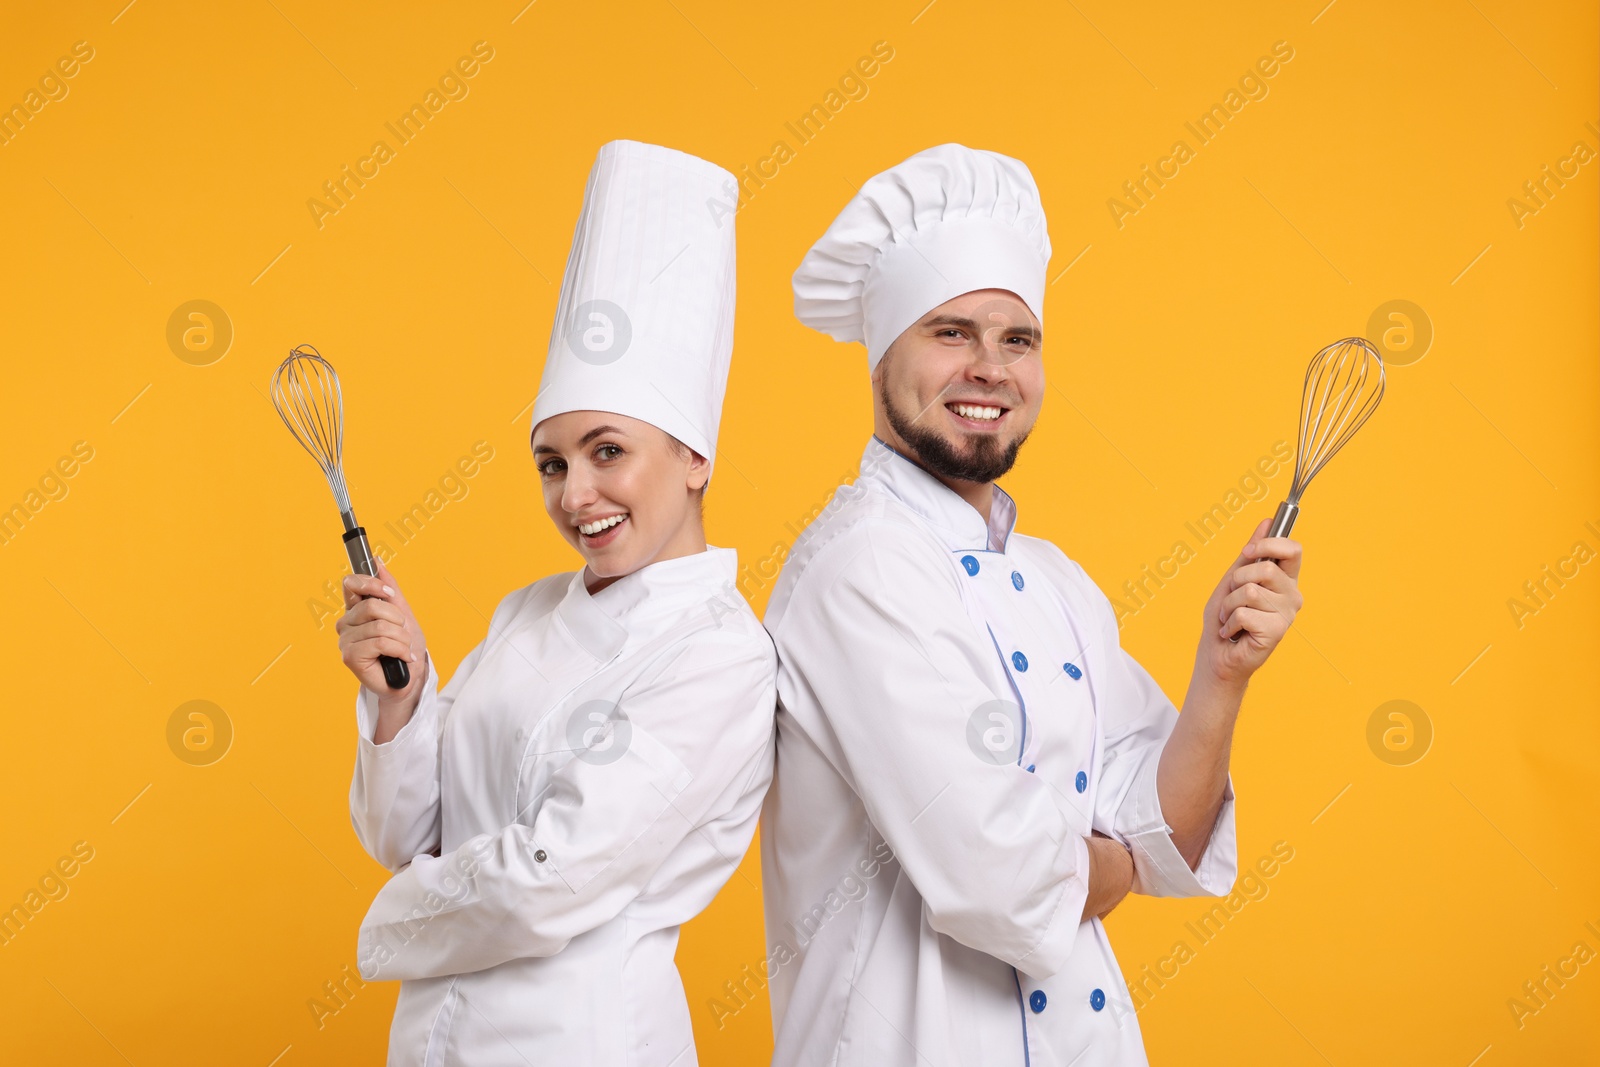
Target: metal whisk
{"points": [[305, 390], [1343, 386]]}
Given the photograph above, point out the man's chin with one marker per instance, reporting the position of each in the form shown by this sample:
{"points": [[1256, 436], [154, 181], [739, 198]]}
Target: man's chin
{"points": [[968, 457]]}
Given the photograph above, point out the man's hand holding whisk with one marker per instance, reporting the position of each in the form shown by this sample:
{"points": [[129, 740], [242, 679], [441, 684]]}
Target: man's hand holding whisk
{"points": [[1250, 610]]}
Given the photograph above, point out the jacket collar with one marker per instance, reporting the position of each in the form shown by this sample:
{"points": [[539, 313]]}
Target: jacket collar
{"points": [[646, 602], [958, 522]]}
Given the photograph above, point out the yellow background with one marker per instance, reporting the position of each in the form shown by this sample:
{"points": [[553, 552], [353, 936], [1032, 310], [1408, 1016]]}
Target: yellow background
{"points": [[180, 564]]}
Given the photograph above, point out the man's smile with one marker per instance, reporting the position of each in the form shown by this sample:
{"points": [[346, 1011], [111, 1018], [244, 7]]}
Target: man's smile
{"points": [[979, 417]]}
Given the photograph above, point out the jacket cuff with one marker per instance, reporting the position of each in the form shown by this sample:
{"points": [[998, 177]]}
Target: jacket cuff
{"points": [[1159, 869], [1053, 952], [367, 717]]}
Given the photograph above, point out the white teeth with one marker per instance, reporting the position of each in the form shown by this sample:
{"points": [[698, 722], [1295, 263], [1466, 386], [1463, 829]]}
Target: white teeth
{"points": [[973, 411], [592, 528]]}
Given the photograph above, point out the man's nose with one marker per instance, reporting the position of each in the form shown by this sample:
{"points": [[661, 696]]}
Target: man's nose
{"points": [[988, 364]]}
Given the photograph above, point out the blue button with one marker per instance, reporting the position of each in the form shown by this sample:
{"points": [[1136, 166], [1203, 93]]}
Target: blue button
{"points": [[1030, 768], [1016, 579], [1019, 661], [1097, 1000], [1036, 1000], [1082, 781], [1072, 670], [971, 563]]}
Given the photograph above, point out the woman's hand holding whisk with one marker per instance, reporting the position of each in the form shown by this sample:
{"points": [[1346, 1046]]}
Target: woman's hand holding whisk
{"points": [[1251, 609], [378, 621]]}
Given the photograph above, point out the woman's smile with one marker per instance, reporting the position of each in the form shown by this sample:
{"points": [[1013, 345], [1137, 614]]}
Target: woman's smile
{"points": [[601, 532]]}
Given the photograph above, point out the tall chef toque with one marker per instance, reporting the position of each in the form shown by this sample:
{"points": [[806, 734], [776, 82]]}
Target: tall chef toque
{"points": [[947, 221], [644, 325]]}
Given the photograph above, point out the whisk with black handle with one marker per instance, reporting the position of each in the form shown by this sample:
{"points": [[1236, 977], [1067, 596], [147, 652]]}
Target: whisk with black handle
{"points": [[1343, 386], [305, 390]]}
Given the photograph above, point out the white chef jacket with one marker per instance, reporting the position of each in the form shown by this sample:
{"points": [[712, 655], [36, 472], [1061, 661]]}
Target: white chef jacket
{"points": [[546, 846], [955, 716]]}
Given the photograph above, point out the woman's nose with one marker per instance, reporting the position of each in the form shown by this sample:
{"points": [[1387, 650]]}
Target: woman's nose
{"points": [[578, 492]]}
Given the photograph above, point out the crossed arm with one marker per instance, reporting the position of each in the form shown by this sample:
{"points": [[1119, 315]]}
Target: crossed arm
{"points": [[1110, 875], [1257, 600], [877, 641]]}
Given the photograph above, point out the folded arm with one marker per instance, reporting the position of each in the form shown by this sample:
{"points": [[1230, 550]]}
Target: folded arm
{"points": [[879, 636], [696, 745], [1131, 804]]}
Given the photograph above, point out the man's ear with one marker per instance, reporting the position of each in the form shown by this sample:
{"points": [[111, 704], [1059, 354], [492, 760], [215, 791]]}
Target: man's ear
{"points": [[881, 369]]}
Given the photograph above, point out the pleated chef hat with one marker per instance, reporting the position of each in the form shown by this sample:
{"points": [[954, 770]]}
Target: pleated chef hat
{"points": [[644, 325], [947, 221]]}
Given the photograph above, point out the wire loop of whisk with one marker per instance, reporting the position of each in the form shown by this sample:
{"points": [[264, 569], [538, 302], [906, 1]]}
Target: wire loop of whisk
{"points": [[1343, 386], [305, 390]]}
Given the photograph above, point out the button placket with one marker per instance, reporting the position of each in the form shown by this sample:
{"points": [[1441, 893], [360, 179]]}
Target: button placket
{"points": [[1077, 670], [1054, 718]]}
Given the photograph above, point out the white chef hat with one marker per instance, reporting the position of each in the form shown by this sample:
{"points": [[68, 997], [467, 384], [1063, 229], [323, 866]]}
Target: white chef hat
{"points": [[644, 325], [947, 221]]}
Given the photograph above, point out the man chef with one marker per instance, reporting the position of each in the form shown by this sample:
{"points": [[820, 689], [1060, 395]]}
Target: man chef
{"points": [[971, 770]]}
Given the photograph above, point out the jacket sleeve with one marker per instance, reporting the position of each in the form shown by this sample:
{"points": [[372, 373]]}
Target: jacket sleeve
{"points": [[394, 792], [1137, 719], [692, 746], [878, 638]]}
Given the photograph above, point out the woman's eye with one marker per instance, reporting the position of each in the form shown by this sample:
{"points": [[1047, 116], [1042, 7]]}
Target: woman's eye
{"points": [[608, 452], [550, 467]]}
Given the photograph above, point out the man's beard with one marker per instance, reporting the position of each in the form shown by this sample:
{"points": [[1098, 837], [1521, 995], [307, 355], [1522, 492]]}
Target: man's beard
{"points": [[987, 461]]}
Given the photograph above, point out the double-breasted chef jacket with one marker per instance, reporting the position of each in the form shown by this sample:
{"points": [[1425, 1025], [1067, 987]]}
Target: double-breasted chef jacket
{"points": [[955, 716], [587, 780]]}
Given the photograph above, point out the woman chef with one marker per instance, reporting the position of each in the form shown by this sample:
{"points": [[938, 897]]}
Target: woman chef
{"points": [[592, 772]]}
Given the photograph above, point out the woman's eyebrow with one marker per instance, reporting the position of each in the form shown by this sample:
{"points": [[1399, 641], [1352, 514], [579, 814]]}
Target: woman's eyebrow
{"points": [[597, 431], [585, 439]]}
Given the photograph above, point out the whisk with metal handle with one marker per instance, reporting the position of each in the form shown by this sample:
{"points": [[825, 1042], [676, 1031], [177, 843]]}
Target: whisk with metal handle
{"points": [[1343, 386], [305, 390]]}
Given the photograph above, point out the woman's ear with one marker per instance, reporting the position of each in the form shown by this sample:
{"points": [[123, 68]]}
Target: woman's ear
{"points": [[699, 472]]}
